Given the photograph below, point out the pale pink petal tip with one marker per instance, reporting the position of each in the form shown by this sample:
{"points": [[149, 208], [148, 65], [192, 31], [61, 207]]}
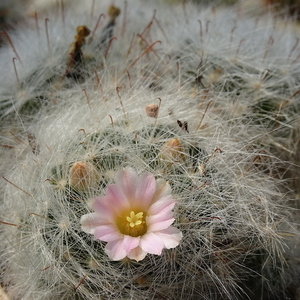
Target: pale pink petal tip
{"points": [[127, 180], [137, 254], [89, 222], [130, 242], [107, 233], [170, 237], [162, 205], [146, 188], [160, 225], [151, 243], [115, 250]]}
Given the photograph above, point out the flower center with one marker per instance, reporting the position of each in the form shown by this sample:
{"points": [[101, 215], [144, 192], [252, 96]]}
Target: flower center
{"points": [[133, 224]]}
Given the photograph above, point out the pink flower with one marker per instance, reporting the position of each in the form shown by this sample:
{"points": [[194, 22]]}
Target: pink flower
{"points": [[134, 217]]}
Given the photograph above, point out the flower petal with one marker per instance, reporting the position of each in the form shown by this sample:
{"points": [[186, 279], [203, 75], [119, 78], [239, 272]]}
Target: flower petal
{"points": [[116, 198], [127, 180], [115, 249], [107, 233], [170, 237], [163, 204], [90, 222], [103, 209], [146, 188], [151, 243], [137, 254], [130, 242], [158, 225]]}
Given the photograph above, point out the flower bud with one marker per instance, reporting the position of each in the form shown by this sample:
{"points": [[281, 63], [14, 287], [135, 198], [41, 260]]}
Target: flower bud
{"points": [[113, 12], [152, 110], [172, 151], [83, 175]]}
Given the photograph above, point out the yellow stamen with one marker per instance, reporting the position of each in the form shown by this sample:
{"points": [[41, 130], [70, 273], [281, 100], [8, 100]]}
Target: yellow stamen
{"points": [[132, 224], [134, 219]]}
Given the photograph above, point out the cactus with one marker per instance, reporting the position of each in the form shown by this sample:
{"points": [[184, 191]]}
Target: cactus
{"points": [[199, 109], [227, 208]]}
